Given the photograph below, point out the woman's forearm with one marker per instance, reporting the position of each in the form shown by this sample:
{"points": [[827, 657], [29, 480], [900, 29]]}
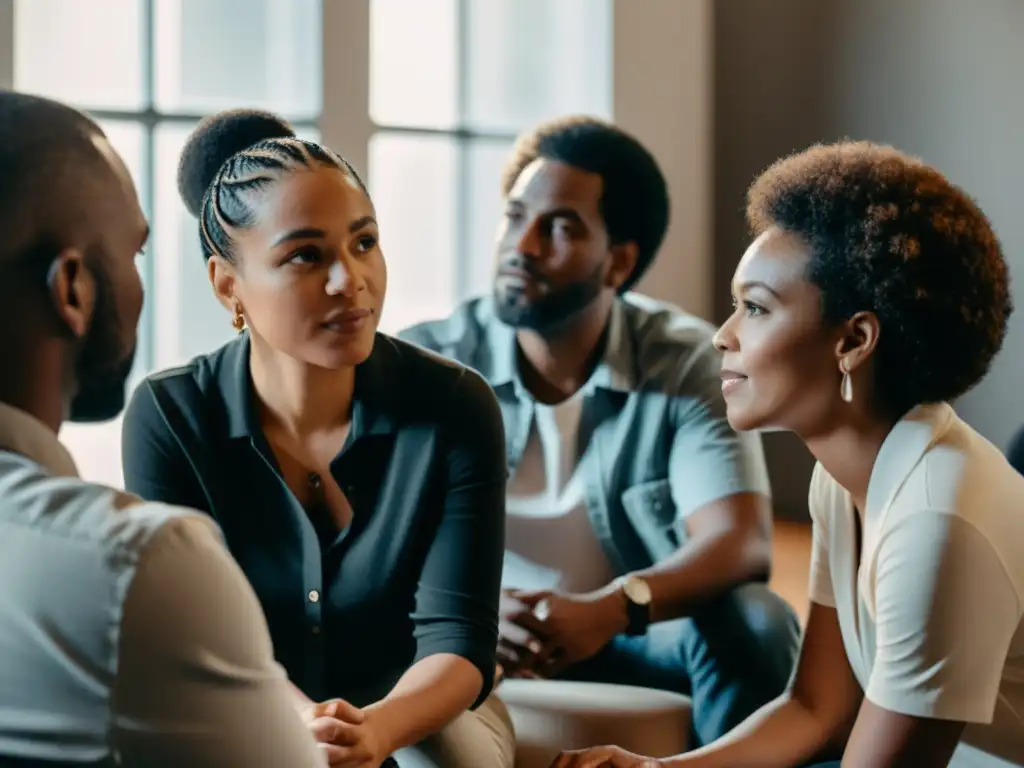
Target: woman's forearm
{"points": [[432, 693], [782, 734]]}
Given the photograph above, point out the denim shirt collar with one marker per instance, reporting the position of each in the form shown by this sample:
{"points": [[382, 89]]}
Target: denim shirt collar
{"points": [[615, 372]]}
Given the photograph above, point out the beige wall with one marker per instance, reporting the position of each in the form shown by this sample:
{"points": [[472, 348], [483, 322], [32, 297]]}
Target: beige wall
{"points": [[662, 91], [943, 79]]}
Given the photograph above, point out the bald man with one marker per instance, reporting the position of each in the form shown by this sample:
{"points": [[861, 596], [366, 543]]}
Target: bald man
{"points": [[128, 635]]}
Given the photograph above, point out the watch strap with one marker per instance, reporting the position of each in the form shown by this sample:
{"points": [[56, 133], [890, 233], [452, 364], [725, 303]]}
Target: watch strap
{"points": [[639, 617]]}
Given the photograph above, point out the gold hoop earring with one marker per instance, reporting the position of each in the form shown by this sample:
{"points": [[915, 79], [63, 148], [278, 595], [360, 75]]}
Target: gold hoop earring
{"points": [[846, 387], [238, 321]]}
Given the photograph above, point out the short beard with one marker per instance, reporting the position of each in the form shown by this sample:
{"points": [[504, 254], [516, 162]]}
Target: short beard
{"points": [[101, 369], [552, 312]]}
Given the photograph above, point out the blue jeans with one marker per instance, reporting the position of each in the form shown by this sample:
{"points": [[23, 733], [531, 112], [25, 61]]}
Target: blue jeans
{"points": [[730, 657]]}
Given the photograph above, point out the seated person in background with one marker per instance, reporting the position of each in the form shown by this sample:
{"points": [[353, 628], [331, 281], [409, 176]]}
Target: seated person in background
{"points": [[875, 293], [358, 479], [128, 635], [639, 524]]}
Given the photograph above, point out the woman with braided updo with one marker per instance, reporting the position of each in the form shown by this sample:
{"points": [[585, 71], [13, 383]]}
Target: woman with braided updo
{"points": [[874, 293], [359, 480]]}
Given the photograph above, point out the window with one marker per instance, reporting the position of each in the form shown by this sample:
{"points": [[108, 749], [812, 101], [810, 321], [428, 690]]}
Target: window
{"points": [[149, 70], [452, 82]]}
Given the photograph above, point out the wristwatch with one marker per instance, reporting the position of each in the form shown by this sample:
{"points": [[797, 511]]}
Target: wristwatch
{"points": [[638, 603]]}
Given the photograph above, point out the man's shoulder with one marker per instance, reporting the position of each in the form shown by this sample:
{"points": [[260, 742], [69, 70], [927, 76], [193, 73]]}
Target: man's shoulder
{"points": [[72, 513], [664, 326], [673, 350], [656, 323], [192, 398], [468, 323], [84, 540], [70, 555], [200, 374], [471, 335], [440, 377]]}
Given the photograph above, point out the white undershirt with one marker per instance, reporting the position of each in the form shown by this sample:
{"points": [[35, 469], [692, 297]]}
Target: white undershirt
{"points": [[549, 542]]}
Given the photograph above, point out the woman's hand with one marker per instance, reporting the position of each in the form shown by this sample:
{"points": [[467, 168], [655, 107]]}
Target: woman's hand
{"points": [[604, 757], [346, 734]]}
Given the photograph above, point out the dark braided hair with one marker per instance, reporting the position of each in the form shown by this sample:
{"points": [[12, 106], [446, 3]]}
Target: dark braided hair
{"points": [[634, 199], [230, 158]]}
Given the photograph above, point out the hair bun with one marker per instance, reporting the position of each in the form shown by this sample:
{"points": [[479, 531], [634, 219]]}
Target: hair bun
{"points": [[216, 139]]}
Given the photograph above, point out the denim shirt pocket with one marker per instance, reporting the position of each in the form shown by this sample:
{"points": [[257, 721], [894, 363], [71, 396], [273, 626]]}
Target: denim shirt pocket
{"points": [[652, 513]]}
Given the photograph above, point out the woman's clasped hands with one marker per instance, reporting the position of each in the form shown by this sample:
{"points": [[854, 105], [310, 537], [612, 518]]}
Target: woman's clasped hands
{"points": [[346, 734]]}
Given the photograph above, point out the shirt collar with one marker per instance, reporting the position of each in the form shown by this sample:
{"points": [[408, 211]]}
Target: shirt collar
{"points": [[374, 409], [903, 448], [616, 370], [24, 434]]}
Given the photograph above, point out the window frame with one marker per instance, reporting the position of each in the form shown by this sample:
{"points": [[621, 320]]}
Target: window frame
{"points": [[462, 136], [648, 40], [150, 119]]}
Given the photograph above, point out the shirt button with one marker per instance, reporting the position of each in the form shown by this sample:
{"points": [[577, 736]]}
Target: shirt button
{"points": [[314, 596]]}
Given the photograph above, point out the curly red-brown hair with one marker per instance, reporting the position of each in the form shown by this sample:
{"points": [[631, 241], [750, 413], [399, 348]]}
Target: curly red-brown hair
{"points": [[891, 235]]}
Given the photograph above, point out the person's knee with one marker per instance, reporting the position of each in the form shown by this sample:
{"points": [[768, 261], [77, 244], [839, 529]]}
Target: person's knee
{"points": [[771, 621], [767, 614], [482, 737]]}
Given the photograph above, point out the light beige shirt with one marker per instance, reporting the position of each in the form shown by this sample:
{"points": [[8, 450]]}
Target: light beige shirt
{"points": [[127, 632], [932, 620]]}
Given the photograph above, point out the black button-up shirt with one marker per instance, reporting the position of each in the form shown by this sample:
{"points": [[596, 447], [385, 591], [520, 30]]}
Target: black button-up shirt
{"points": [[418, 570]]}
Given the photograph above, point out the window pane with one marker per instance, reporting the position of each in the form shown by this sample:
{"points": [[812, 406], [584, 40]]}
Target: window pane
{"points": [[412, 180], [85, 53], [129, 139], [529, 60], [96, 448], [414, 60], [483, 213], [219, 54], [189, 320]]}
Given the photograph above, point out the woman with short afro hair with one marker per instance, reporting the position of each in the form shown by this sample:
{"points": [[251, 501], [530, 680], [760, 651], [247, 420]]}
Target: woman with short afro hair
{"points": [[875, 292]]}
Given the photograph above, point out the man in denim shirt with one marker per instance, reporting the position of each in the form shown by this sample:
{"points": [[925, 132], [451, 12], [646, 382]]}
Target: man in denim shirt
{"points": [[639, 524]]}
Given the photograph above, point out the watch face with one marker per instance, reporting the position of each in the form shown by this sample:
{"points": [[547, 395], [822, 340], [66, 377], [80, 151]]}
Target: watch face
{"points": [[637, 590]]}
